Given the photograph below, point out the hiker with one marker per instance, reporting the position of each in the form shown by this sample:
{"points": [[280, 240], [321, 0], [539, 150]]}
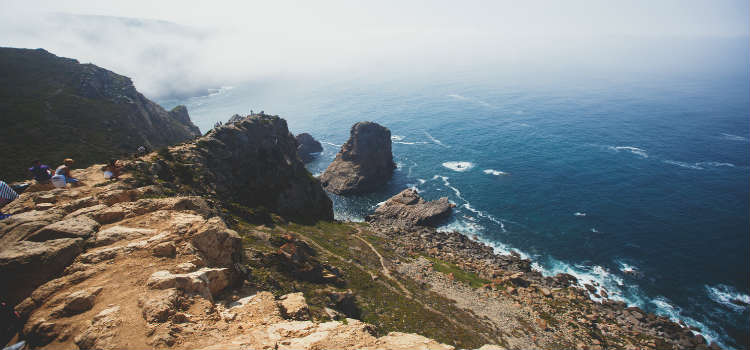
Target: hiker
{"points": [[7, 194], [112, 170], [62, 175], [40, 172]]}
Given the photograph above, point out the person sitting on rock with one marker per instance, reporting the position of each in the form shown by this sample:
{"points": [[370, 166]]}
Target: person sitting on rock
{"points": [[112, 170], [7, 194], [40, 172], [62, 175]]}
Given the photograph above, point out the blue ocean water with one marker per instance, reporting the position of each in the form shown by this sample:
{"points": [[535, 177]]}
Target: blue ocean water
{"points": [[639, 184]]}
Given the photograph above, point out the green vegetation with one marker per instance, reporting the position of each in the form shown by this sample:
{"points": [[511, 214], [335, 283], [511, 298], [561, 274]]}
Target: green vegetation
{"points": [[378, 300], [55, 108], [469, 278]]}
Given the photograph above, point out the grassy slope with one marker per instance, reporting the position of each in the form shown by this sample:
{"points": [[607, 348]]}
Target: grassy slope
{"points": [[380, 301]]}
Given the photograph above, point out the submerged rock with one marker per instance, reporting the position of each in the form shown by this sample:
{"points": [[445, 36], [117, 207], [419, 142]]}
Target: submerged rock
{"points": [[408, 209], [363, 164], [307, 147]]}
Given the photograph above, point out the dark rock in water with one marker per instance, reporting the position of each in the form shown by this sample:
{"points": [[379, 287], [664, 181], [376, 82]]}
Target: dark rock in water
{"points": [[307, 146], [739, 302], [363, 164], [252, 162], [77, 111], [408, 209]]}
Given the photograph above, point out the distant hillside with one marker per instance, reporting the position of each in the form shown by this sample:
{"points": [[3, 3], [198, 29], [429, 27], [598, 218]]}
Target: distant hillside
{"points": [[53, 108]]}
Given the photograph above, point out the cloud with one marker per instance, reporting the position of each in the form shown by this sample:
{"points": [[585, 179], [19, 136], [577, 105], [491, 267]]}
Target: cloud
{"points": [[184, 47]]}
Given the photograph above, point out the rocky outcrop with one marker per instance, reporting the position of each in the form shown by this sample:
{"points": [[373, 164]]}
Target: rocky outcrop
{"points": [[407, 209], [77, 111], [307, 147], [180, 114], [363, 164], [252, 162], [26, 265]]}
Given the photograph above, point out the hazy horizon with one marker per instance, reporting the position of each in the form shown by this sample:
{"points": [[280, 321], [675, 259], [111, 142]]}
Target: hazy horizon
{"points": [[176, 48]]}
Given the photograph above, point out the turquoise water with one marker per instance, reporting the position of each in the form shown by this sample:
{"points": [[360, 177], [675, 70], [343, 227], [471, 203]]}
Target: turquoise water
{"points": [[640, 184]]}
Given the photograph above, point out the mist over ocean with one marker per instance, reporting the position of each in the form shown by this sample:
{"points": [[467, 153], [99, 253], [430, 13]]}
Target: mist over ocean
{"points": [[639, 185]]}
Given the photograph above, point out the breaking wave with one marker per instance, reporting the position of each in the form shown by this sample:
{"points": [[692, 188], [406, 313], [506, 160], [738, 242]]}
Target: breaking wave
{"points": [[729, 297], [635, 150], [699, 165], [734, 137], [436, 141], [494, 172], [459, 166], [579, 214]]}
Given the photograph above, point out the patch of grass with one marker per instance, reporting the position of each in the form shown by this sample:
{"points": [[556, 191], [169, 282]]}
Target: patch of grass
{"points": [[469, 278]]}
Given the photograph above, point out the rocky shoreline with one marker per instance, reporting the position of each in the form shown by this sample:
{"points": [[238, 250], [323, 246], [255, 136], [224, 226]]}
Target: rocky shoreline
{"points": [[577, 319]]}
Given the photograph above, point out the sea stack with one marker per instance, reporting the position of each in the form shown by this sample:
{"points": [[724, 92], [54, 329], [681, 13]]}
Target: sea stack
{"points": [[363, 164], [307, 146], [407, 209]]}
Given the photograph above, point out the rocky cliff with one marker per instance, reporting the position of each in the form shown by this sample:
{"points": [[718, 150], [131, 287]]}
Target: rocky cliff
{"points": [[307, 147], [251, 162], [54, 108], [363, 164]]}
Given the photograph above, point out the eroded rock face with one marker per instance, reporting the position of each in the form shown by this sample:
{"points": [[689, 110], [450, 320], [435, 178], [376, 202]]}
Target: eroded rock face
{"points": [[307, 147], [408, 209], [253, 162], [26, 265], [363, 164], [76, 227]]}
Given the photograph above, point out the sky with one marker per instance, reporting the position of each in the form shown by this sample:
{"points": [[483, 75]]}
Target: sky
{"points": [[179, 47]]}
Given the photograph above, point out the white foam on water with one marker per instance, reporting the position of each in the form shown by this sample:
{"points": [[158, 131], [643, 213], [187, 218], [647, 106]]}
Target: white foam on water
{"points": [[635, 150], [734, 137], [494, 172], [594, 230], [397, 138], [716, 164], [725, 295], [421, 181], [411, 143], [219, 91], [579, 214], [665, 307], [330, 143], [436, 141], [684, 165], [627, 268], [699, 165], [459, 166], [399, 165]]}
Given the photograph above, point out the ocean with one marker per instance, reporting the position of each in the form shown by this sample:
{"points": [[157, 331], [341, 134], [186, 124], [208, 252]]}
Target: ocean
{"points": [[639, 183]]}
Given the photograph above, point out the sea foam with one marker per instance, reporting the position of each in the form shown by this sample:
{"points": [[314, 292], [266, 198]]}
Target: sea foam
{"points": [[459, 166], [494, 172], [728, 297], [635, 150]]}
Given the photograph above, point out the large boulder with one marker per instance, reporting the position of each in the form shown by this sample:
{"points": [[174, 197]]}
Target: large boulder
{"points": [[307, 147], [363, 164], [408, 209], [26, 265], [76, 227]]}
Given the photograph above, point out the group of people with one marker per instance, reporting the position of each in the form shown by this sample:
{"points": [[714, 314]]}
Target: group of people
{"points": [[59, 178]]}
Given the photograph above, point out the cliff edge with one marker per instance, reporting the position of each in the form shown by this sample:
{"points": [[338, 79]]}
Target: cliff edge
{"points": [[55, 108]]}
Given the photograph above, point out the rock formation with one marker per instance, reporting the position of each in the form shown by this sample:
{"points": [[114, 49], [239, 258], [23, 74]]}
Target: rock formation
{"points": [[251, 161], [55, 108], [407, 209], [307, 147], [363, 164], [154, 273]]}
